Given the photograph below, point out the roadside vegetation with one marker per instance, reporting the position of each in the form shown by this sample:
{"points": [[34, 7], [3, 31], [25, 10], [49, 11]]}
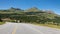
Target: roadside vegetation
{"points": [[32, 15], [48, 25], [2, 23]]}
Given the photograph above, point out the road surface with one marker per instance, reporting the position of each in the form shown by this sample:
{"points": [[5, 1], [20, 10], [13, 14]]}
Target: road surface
{"points": [[23, 28]]}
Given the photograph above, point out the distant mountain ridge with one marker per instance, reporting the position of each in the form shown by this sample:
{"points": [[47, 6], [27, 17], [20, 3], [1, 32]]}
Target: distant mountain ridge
{"points": [[33, 10]]}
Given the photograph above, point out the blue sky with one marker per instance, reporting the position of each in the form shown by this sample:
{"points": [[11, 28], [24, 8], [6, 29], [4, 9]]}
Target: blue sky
{"points": [[53, 5]]}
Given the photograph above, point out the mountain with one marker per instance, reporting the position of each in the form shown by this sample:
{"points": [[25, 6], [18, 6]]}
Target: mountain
{"points": [[33, 9], [31, 15], [15, 9]]}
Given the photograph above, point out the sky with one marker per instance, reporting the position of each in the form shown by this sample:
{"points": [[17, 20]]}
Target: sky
{"points": [[53, 5]]}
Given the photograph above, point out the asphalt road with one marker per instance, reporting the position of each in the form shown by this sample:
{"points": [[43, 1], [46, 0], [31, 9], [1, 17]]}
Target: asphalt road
{"points": [[23, 28]]}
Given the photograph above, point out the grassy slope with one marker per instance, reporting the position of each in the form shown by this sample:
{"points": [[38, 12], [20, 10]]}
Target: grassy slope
{"points": [[49, 25], [2, 23]]}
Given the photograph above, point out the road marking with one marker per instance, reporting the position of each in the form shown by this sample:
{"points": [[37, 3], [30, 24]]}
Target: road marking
{"points": [[14, 30], [38, 30]]}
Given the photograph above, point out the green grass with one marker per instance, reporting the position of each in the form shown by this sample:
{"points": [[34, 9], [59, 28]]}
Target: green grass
{"points": [[2, 23], [49, 25]]}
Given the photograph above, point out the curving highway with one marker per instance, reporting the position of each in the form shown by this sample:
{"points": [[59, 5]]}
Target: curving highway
{"points": [[24, 28]]}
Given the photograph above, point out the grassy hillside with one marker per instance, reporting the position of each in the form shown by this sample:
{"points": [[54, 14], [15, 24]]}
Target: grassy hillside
{"points": [[2, 23], [31, 15]]}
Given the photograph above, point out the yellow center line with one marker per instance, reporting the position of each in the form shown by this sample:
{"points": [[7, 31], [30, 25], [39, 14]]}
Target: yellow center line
{"points": [[14, 30]]}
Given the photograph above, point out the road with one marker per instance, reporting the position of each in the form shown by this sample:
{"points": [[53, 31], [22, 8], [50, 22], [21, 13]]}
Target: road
{"points": [[24, 28]]}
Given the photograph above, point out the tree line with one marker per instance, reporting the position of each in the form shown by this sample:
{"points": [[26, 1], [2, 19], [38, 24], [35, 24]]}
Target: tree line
{"points": [[32, 19]]}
